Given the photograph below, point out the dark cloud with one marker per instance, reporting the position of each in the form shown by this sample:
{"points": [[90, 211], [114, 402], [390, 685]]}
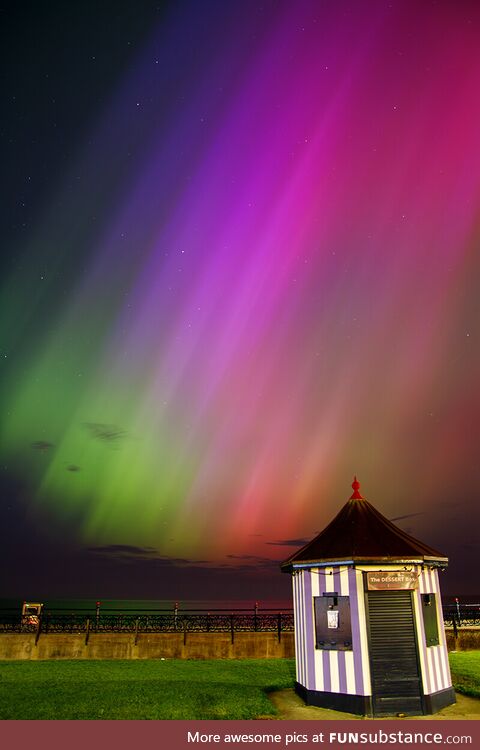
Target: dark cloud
{"points": [[50, 567], [290, 542], [122, 552], [42, 445], [106, 433], [409, 515], [41, 562], [150, 558], [116, 550], [253, 562]]}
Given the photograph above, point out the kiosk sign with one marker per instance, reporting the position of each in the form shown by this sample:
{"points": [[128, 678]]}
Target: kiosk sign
{"points": [[380, 580]]}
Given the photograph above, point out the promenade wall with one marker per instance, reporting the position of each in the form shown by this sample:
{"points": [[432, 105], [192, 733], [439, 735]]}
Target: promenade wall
{"points": [[467, 639], [147, 646], [244, 645]]}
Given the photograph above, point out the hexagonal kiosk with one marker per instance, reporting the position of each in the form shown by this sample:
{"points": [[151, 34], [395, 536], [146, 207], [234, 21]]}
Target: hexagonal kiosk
{"points": [[369, 633]]}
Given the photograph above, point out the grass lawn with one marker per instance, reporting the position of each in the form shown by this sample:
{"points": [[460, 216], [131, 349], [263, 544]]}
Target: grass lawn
{"points": [[170, 689], [150, 689], [465, 668]]}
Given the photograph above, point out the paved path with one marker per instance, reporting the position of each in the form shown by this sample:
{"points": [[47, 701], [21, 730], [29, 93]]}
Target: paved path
{"points": [[291, 706]]}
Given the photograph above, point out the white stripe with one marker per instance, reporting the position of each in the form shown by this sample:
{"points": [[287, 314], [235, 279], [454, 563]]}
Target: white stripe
{"points": [[421, 583], [329, 579], [344, 582], [305, 643], [318, 677], [432, 670], [431, 585], [438, 674], [350, 669], [334, 673], [446, 667]]}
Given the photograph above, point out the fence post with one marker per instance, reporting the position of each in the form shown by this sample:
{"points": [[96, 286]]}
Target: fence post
{"points": [[232, 628], [255, 613], [87, 631], [184, 631], [39, 628], [136, 631], [279, 626], [457, 602]]}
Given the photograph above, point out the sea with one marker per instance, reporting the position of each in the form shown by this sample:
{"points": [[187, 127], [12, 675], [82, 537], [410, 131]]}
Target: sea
{"points": [[143, 606]]}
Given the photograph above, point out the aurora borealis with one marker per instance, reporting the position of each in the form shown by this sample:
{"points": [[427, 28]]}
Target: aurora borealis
{"points": [[251, 271]]}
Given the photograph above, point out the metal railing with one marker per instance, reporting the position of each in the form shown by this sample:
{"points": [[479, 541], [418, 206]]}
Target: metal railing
{"points": [[177, 620], [153, 621], [461, 615]]}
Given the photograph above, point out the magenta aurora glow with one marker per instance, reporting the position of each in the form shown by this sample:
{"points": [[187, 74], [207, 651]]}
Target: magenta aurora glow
{"points": [[252, 273]]}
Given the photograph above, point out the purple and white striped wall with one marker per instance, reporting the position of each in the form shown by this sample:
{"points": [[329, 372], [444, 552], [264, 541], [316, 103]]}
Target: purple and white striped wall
{"points": [[348, 672]]}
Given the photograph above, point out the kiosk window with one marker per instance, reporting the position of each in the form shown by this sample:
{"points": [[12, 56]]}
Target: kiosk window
{"points": [[333, 627], [430, 622]]}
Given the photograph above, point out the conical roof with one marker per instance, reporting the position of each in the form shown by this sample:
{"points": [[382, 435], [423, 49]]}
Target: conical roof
{"points": [[361, 534]]}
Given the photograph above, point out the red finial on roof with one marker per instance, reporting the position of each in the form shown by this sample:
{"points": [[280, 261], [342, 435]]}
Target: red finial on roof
{"points": [[356, 487]]}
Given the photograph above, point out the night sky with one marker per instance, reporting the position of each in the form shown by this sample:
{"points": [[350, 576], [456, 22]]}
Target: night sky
{"points": [[239, 265]]}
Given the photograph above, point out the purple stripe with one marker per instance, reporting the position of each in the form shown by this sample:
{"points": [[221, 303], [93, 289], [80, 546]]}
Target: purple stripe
{"points": [[441, 626], [327, 684], [321, 582], [302, 628], [298, 630], [340, 660], [444, 681], [356, 642], [443, 654], [438, 672], [324, 654], [309, 635], [420, 580], [342, 671]]}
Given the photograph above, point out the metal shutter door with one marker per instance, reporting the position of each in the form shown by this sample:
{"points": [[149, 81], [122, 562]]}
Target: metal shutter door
{"points": [[394, 666]]}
